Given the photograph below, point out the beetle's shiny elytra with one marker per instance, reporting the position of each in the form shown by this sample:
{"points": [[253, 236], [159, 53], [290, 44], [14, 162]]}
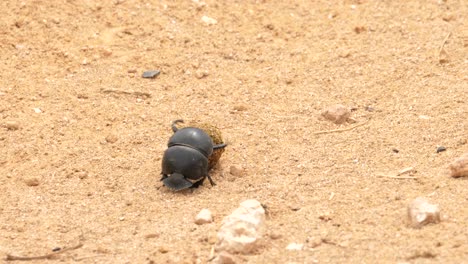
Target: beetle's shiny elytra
{"points": [[185, 162]]}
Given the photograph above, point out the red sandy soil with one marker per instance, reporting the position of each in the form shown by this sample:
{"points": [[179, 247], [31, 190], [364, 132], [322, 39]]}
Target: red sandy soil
{"points": [[82, 134]]}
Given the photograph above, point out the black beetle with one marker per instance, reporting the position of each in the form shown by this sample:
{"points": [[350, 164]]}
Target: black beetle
{"points": [[185, 162]]}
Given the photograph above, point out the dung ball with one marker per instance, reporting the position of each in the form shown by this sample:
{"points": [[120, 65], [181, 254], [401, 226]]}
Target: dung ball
{"points": [[215, 135]]}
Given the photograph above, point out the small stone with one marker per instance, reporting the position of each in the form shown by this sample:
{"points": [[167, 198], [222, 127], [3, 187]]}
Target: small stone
{"points": [[459, 168], [154, 235], [325, 217], [240, 108], [462, 142], [425, 117], [37, 110], [421, 212], [209, 21], [111, 138], [82, 174], [369, 109], [295, 246], [241, 230], [203, 217], [338, 114], [359, 29], [275, 235], [32, 182], [395, 150], [236, 171], [151, 74], [106, 52], [163, 249], [200, 74], [441, 149], [224, 258], [12, 125], [131, 70]]}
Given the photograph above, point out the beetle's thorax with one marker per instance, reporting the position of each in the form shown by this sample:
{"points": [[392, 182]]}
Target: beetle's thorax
{"points": [[189, 146], [194, 138]]}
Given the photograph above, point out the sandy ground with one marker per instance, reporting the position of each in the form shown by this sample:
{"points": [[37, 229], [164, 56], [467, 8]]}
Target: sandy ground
{"points": [[80, 162]]}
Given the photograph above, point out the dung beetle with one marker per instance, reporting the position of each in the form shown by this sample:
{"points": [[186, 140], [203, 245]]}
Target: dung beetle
{"points": [[185, 161]]}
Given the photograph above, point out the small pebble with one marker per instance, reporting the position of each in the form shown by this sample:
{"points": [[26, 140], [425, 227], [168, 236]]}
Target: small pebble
{"points": [[149, 236], [421, 212], [37, 110], [209, 21], [459, 168], [82, 174], [241, 231], [369, 109], [111, 138], [200, 74], [204, 217], [56, 249], [295, 246], [236, 171], [338, 114], [12, 125], [32, 182], [225, 258], [240, 108], [395, 150], [151, 74], [275, 235], [163, 249], [106, 52], [441, 149]]}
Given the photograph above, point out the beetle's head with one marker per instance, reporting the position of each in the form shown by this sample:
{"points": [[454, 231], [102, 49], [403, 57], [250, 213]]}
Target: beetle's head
{"points": [[177, 182]]}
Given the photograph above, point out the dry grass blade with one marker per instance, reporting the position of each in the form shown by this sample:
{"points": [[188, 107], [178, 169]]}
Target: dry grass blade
{"points": [[47, 256], [341, 130]]}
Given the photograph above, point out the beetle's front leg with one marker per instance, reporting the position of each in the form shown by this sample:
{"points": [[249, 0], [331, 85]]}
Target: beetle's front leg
{"points": [[164, 176], [211, 180], [198, 183]]}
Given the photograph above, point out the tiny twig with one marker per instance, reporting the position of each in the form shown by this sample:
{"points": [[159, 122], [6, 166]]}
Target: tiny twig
{"points": [[395, 177], [212, 255], [341, 130], [131, 92], [47, 256], [441, 49]]}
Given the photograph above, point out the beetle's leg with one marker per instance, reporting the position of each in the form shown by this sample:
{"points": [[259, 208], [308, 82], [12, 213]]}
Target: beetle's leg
{"points": [[164, 176], [174, 124], [211, 180], [223, 145], [198, 183]]}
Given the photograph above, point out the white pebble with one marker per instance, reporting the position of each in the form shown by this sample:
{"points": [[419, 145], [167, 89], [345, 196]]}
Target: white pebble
{"points": [[421, 212], [459, 167], [241, 230], [203, 217], [209, 21], [37, 110], [295, 246], [338, 114]]}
